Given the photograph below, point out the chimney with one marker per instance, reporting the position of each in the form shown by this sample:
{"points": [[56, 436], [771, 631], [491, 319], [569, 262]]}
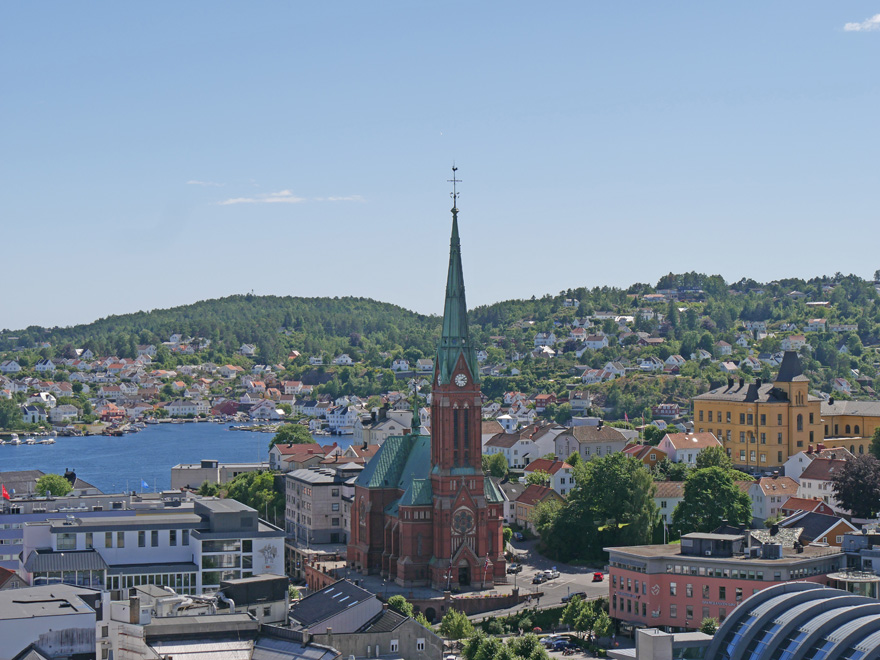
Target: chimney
{"points": [[134, 610], [758, 382], [729, 383], [809, 449], [774, 530], [830, 400], [820, 447], [742, 381], [601, 423]]}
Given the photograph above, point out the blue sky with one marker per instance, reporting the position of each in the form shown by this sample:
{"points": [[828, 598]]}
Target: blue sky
{"points": [[155, 154]]}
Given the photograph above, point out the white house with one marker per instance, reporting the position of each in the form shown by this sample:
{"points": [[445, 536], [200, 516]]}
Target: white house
{"points": [[248, 350], [590, 441], [425, 365], [341, 419], [42, 398], [33, 414], [343, 360], [816, 325], [561, 473], [675, 361], [544, 339], [723, 347], [797, 463], [816, 481], [63, 413], [10, 367], [400, 364], [44, 366], [841, 385], [667, 496], [651, 363], [684, 447], [728, 367], [768, 494], [596, 342], [793, 342]]}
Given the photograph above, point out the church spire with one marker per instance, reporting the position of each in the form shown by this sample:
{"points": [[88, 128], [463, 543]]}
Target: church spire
{"points": [[455, 339]]}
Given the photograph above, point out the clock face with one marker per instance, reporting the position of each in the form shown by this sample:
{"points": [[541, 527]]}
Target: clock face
{"points": [[461, 380], [463, 521]]}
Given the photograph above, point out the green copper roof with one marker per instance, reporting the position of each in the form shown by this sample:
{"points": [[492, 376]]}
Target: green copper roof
{"points": [[419, 493], [400, 459], [455, 339], [492, 492]]}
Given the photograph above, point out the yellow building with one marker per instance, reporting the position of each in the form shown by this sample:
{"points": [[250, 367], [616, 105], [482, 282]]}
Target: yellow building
{"points": [[762, 424], [850, 424]]}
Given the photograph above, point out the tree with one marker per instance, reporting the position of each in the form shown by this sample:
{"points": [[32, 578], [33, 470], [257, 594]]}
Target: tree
{"points": [[874, 449], [401, 605], [857, 486], [423, 620], [710, 497], [257, 490], [292, 434], [612, 503], [714, 457], [456, 625], [208, 489], [495, 465], [54, 485], [709, 626], [603, 625], [666, 470], [508, 535], [10, 415], [539, 477], [292, 592], [574, 459]]}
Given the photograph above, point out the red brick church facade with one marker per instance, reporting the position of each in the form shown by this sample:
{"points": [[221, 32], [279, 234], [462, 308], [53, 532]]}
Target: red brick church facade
{"points": [[423, 513]]}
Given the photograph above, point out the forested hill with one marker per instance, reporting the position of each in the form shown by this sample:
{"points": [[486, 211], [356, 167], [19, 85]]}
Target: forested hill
{"points": [[271, 323]]}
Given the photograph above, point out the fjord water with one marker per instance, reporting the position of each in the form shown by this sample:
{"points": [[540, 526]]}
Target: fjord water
{"points": [[113, 464]]}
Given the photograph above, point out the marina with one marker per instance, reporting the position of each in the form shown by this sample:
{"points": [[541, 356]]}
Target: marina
{"points": [[117, 463]]}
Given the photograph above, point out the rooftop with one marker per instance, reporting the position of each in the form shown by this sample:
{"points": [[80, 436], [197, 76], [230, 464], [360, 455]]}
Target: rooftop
{"points": [[673, 551], [328, 601], [51, 600]]}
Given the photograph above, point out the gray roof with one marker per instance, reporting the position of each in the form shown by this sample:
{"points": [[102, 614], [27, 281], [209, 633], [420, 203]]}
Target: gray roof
{"points": [[50, 600], [790, 370], [213, 626], [328, 601], [269, 648], [317, 475], [866, 408], [124, 523], [41, 561], [385, 621]]}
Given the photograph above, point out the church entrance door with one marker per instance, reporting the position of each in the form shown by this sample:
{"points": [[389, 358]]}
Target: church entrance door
{"points": [[464, 576]]}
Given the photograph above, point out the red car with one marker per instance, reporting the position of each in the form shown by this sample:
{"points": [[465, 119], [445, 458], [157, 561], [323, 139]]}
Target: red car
{"points": [[598, 577]]}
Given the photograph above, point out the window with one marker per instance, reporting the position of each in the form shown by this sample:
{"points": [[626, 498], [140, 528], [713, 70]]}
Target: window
{"points": [[89, 544], [120, 539], [750, 419], [334, 492], [108, 539], [846, 429], [722, 593], [689, 590], [856, 429], [742, 436], [394, 645], [778, 438], [420, 644], [728, 418], [673, 588], [710, 416], [763, 420], [800, 422], [705, 591], [705, 612], [172, 537], [66, 542], [689, 612], [701, 415], [742, 454], [779, 420], [752, 456], [742, 418], [763, 438], [673, 611], [739, 594], [154, 538], [334, 506], [142, 539], [722, 614], [185, 537]]}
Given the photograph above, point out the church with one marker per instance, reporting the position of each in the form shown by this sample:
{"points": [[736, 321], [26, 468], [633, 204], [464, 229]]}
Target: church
{"points": [[423, 513]]}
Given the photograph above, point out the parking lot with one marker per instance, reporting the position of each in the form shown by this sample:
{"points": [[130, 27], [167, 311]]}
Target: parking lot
{"points": [[572, 579]]}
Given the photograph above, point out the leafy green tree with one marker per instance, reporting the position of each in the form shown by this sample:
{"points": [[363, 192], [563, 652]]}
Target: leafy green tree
{"points": [[495, 465], [612, 503], [857, 486], [713, 457], [603, 626], [295, 434], [257, 490], [54, 485], [574, 459], [10, 415], [539, 477], [292, 592], [423, 620], [508, 535], [456, 625], [709, 626], [400, 605], [710, 497], [653, 435], [208, 489], [666, 470], [525, 646], [874, 449]]}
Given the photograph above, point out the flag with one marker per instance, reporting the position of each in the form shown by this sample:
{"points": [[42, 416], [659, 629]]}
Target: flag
{"points": [[6, 494], [626, 417], [144, 484], [487, 563]]}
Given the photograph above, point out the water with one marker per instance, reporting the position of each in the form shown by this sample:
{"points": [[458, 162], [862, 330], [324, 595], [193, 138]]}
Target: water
{"points": [[113, 464]]}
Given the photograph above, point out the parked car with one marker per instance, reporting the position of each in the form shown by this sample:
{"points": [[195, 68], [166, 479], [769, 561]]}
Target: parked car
{"points": [[539, 579], [577, 594], [518, 536], [551, 574], [515, 568], [550, 640]]}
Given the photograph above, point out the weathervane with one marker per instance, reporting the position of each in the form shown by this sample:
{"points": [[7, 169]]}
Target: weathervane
{"points": [[453, 181]]}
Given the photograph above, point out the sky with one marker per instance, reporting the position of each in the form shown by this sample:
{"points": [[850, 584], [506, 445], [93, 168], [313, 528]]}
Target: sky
{"points": [[159, 153]]}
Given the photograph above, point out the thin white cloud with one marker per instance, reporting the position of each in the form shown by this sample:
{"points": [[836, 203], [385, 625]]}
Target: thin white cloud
{"points": [[868, 25], [193, 182], [286, 197]]}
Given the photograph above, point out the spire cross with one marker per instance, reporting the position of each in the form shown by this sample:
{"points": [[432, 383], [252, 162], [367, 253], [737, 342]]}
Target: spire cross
{"points": [[453, 181]]}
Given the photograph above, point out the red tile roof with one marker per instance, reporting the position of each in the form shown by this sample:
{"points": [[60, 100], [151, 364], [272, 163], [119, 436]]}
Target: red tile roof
{"points": [[535, 494], [546, 465], [823, 469]]}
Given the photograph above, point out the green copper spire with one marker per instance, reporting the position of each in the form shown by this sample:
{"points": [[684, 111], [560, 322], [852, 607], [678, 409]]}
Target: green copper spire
{"points": [[455, 339]]}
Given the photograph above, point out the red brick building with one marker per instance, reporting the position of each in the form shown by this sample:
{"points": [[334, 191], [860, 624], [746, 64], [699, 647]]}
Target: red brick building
{"points": [[423, 514]]}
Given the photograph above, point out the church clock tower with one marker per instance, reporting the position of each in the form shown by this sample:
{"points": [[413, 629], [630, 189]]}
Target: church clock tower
{"points": [[468, 541]]}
